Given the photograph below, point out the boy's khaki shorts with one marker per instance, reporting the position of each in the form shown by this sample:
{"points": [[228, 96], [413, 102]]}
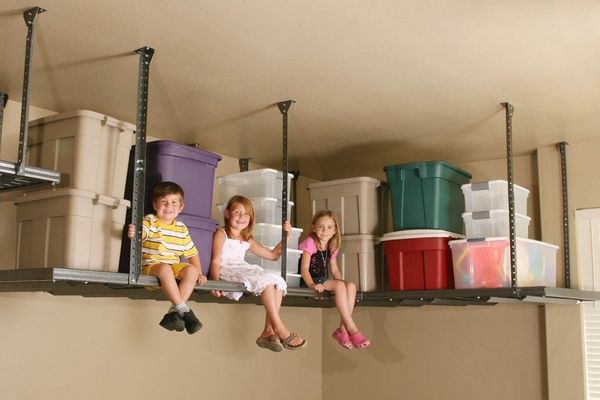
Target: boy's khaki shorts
{"points": [[177, 268]]}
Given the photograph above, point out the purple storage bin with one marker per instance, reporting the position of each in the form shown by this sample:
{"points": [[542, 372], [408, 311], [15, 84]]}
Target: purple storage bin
{"points": [[201, 230], [191, 168]]}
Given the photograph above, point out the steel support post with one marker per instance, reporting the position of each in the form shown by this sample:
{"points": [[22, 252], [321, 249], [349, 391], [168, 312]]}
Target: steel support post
{"points": [[3, 101], [29, 17], [137, 204], [565, 213], [284, 106], [511, 199]]}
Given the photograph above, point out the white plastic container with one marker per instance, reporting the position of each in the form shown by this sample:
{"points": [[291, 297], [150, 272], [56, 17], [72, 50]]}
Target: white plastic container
{"points": [[494, 223], [293, 280], [267, 210], [91, 150], [493, 195], [269, 235], [486, 263], [356, 261], [257, 183], [293, 255], [354, 200], [69, 228]]}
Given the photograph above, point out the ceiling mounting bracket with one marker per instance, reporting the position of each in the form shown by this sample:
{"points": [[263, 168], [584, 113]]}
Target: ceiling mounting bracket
{"points": [[565, 212], [284, 106], [511, 199], [244, 164], [139, 171]]}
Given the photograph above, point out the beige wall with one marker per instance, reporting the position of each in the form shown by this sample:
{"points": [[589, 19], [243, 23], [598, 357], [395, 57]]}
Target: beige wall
{"points": [[60, 347]]}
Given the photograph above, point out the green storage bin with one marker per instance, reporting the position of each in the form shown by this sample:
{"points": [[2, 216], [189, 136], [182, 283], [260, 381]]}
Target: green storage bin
{"points": [[427, 195]]}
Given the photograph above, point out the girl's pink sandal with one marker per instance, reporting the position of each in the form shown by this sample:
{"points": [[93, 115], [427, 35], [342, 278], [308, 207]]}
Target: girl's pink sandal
{"points": [[359, 340], [342, 338]]}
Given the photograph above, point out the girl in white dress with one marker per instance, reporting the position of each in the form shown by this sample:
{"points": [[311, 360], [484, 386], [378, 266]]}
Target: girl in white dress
{"points": [[230, 244]]}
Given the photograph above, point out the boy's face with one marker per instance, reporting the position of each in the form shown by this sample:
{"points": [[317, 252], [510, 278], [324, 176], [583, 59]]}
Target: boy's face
{"points": [[168, 207]]}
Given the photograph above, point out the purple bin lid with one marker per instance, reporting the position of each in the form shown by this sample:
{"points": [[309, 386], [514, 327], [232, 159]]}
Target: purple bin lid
{"points": [[167, 147]]}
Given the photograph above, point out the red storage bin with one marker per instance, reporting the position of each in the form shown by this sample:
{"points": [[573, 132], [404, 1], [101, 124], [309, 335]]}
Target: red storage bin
{"points": [[419, 259]]}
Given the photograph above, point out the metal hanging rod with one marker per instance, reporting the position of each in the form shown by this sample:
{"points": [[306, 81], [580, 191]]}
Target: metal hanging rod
{"points": [[3, 101], [284, 106], [565, 212], [511, 198], [139, 170]]}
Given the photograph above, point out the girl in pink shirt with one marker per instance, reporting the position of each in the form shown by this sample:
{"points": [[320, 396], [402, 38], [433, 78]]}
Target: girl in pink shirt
{"points": [[319, 252]]}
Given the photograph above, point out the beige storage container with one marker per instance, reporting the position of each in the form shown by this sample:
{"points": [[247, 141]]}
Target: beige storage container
{"points": [[69, 228], [90, 150], [354, 200], [357, 261]]}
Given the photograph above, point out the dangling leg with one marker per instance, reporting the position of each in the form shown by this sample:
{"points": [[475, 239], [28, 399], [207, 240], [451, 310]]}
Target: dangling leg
{"points": [[271, 299]]}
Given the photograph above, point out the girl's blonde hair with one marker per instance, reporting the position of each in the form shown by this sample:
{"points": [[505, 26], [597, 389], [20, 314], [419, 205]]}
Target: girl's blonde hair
{"points": [[336, 240], [246, 233]]}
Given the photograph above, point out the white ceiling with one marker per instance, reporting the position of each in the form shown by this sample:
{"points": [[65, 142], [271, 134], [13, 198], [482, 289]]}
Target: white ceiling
{"points": [[375, 82]]}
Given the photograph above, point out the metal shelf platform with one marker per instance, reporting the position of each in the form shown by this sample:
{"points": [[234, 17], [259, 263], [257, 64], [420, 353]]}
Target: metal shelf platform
{"points": [[76, 282], [10, 179]]}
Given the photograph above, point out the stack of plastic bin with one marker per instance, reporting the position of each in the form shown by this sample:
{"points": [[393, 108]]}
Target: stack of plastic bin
{"points": [[194, 170], [483, 259], [78, 224], [264, 188], [427, 204], [356, 204]]}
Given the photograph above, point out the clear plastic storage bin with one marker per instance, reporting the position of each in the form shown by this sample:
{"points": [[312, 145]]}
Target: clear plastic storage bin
{"points": [[486, 263], [269, 235], [354, 200], [257, 183], [267, 210], [70, 228], [493, 195], [293, 280], [494, 223], [91, 150], [293, 256]]}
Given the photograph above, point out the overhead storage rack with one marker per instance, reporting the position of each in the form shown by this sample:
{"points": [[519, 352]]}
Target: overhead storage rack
{"points": [[88, 283]]}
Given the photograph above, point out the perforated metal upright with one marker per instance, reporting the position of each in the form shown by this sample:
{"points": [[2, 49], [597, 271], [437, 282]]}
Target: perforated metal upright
{"points": [[139, 171], [284, 107]]}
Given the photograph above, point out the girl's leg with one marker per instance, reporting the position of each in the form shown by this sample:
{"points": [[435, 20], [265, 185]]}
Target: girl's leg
{"points": [[269, 329], [351, 291], [272, 302], [341, 302]]}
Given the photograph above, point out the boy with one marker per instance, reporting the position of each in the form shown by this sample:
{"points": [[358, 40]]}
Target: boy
{"points": [[164, 240]]}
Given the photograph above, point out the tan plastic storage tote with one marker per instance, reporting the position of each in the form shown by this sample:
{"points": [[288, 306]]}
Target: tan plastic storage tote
{"points": [[69, 228], [90, 150], [354, 200], [356, 261]]}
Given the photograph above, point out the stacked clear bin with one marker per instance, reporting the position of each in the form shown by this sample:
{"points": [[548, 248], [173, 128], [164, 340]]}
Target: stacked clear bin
{"points": [[264, 188], [482, 260], [356, 204], [78, 224]]}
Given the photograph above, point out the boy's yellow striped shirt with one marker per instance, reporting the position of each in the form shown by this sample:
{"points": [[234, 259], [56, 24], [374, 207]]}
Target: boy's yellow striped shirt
{"points": [[165, 243]]}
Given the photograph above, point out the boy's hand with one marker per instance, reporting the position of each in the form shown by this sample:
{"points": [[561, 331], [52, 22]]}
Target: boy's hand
{"points": [[202, 279], [131, 231]]}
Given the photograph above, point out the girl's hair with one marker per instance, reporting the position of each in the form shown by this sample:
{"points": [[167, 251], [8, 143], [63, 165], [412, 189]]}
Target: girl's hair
{"points": [[246, 233], [336, 240], [166, 188]]}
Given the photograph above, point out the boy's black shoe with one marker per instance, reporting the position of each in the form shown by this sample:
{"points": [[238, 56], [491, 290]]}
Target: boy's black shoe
{"points": [[192, 325], [173, 322]]}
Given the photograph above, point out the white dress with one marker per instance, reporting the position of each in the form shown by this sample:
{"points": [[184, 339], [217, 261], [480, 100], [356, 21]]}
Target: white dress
{"points": [[235, 269]]}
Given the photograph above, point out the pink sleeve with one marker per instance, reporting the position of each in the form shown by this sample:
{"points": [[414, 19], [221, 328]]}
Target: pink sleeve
{"points": [[308, 245], [334, 254]]}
